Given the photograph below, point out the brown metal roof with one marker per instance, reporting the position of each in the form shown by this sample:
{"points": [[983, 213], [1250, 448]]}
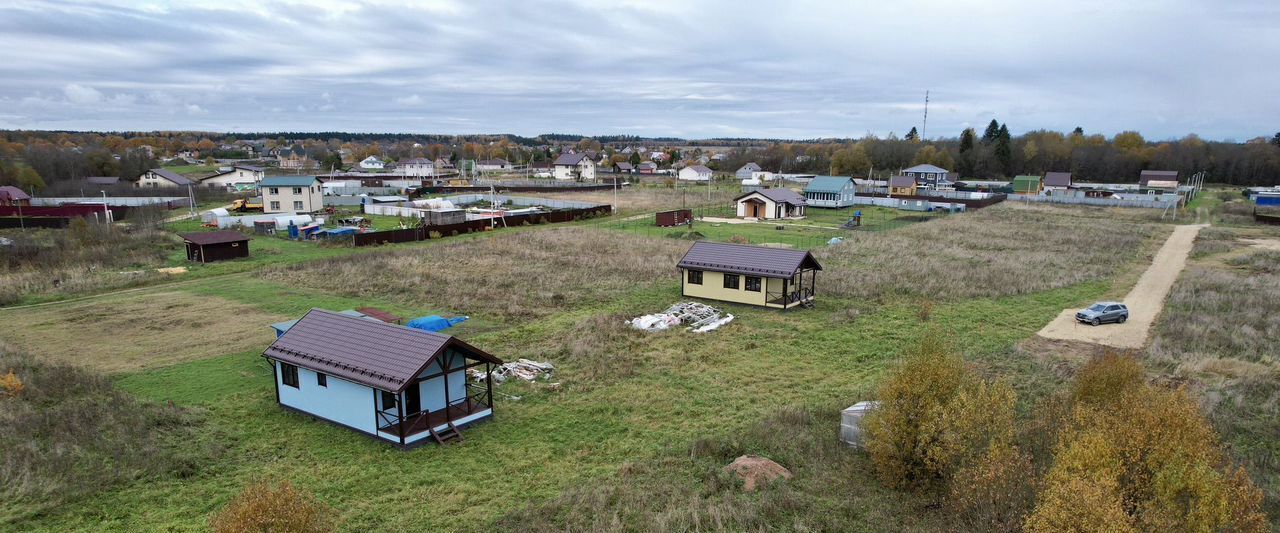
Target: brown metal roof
{"points": [[779, 195], [902, 181], [9, 192], [379, 314], [214, 237], [380, 355], [1057, 179], [745, 259]]}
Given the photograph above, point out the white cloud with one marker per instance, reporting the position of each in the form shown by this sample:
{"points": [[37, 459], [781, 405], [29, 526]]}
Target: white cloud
{"points": [[80, 94], [195, 109], [409, 100]]}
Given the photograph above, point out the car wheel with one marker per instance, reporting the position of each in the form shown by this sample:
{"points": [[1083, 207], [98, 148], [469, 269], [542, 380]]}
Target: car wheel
{"points": [[1122, 319], [1095, 321]]}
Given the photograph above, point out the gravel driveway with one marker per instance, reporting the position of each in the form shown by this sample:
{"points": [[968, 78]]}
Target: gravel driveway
{"points": [[1145, 300]]}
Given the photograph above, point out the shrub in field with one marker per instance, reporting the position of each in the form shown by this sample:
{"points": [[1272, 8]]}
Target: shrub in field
{"points": [[10, 384], [1147, 451], [934, 417], [996, 493], [925, 311], [265, 507]]}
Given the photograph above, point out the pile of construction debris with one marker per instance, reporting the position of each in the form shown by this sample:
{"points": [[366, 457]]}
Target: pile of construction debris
{"points": [[525, 369], [700, 318]]}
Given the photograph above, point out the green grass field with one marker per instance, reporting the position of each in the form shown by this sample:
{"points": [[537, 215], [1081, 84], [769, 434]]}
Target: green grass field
{"points": [[624, 401]]}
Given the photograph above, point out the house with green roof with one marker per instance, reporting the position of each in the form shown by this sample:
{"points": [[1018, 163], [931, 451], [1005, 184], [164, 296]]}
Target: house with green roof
{"points": [[830, 191], [1027, 185], [291, 194]]}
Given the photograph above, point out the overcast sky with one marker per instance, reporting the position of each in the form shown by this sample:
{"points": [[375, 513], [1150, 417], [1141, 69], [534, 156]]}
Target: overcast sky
{"points": [[656, 67]]}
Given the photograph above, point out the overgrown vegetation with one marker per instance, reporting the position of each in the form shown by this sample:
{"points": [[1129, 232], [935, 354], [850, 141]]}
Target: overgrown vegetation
{"points": [[68, 433], [278, 508], [516, 274], [997, 251], [83, 257]]}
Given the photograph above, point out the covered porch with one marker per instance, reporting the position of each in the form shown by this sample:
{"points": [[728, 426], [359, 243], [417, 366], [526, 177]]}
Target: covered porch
{"points": [[477, 405], [438, 403], [798, 290]]}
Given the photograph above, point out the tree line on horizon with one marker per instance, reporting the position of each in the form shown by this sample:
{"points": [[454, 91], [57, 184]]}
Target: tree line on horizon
{"points": [[36, 159]]}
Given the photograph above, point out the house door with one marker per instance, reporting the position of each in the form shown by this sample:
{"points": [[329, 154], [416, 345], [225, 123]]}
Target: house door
{"points": [[413, 399]]}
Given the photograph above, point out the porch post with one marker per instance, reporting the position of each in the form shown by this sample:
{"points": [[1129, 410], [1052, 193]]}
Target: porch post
{"points": [[400, 416], [488, 383], [813, 276], [446, 364]]}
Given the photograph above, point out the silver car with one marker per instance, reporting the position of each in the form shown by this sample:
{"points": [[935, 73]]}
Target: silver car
{"points": [[1103, 312]]}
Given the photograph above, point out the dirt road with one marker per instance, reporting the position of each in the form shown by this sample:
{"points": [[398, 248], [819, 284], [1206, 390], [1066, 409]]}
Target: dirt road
{"points": [[1145, 300]]}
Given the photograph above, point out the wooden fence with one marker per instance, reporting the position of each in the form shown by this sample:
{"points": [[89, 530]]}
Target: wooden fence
{"points": [[423, 233], [1272, 220]]}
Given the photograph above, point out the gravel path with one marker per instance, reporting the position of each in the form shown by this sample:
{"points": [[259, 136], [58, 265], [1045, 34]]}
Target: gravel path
{"points": [[1145, 300]]}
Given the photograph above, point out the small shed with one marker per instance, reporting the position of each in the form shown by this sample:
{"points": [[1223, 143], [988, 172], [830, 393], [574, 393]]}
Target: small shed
{"points": [[902, 185], [1057, 180], [13, 196], [678, 217], [1027, 185], [210, 246]]}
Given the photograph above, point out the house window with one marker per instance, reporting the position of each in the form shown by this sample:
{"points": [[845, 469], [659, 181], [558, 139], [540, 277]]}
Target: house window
{"points": [[297, 206], [297, 190], [695, 277], [322, 379], [731, 281], [388, 400], [289, 375], [275, 206], [273, 190], [753, 283]]}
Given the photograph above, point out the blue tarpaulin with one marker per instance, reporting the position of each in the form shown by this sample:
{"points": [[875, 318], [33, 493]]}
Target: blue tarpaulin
{"points": [[435, 322]]}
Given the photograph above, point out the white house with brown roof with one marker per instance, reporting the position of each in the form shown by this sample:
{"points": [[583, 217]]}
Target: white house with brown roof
{"points": [[161, 178], [418, 167], [768, 204], [236, 177]]}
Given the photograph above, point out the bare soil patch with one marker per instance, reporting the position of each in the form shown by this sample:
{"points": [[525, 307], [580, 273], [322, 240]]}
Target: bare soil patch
{"points": [[125, 334], [1145, 300]]}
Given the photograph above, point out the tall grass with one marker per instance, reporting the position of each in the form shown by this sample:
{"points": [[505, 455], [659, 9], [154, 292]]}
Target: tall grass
{"points": [[517, 274], [69, 433], [83, 257], [1221, 328], [998, 251]]}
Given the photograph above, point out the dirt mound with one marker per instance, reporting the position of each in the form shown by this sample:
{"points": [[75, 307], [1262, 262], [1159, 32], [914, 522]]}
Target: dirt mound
{"points": [[756, 471]]}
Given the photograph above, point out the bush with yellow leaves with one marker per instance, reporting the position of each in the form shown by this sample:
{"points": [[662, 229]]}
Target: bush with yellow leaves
{"points": [[10, 384], [281, 508], [934, 417]]}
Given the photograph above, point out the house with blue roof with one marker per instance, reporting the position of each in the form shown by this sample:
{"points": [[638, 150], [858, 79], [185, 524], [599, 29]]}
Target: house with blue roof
{"points": [[830, 191], [291, 194]]}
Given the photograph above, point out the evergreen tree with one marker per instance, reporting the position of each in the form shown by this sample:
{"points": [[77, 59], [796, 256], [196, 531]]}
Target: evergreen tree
{"points": [[913, 135], [993, 129], [1004, 150], [1276, 140], [1079, 132], [635, 158], [966, 140]]}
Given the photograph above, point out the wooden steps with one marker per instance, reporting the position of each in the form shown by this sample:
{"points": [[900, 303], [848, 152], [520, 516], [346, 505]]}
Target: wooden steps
{"points": [[448, 434]]}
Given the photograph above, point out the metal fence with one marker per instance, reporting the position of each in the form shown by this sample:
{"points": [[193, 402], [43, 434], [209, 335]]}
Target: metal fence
{"points": [[426, 232], [1098, 202]]}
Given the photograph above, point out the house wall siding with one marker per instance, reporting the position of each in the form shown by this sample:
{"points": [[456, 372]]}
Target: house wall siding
{"points": [[770, 207], [341, 401], [312, 199], [712, 288]]}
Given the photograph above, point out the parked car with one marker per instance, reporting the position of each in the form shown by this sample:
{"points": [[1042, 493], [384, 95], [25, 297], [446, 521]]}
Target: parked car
{"points": [[1103, 312]]}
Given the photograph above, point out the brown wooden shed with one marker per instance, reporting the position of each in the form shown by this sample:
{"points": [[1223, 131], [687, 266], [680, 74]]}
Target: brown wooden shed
{"points": [[679, 217], [210, 246]]}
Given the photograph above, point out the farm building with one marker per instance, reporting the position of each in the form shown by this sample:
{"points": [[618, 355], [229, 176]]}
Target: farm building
{"points": [[574, 167], [210, 246], [754, 275], [1158, 179], [394, 383], [679, 217], [1027, 185], [902, 185], [695, 173], [159, 177], [13, 196], [768, 204], [624, 167], [1054, 181], [830, 191], [747, 171], [292, 194]]}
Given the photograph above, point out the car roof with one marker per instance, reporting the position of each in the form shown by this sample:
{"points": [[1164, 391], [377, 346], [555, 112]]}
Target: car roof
{"points": [[1109, 303]]}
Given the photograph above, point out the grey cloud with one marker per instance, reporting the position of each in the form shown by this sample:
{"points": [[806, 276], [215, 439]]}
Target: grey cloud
{"points": [[695, 69]]}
